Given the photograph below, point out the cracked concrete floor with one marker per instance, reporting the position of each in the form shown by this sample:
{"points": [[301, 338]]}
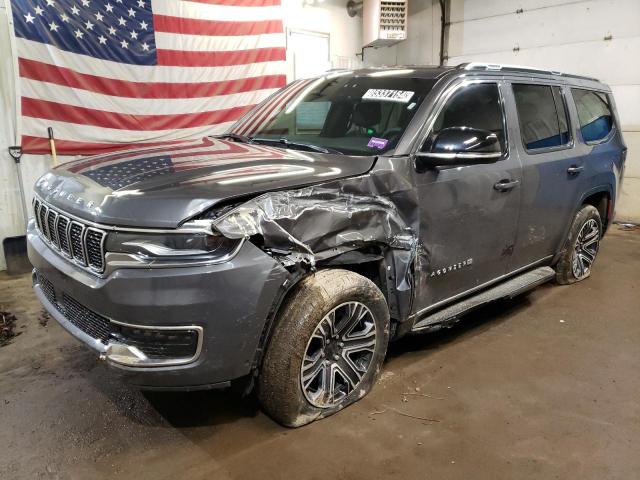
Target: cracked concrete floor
{"points": [[546, 386]]}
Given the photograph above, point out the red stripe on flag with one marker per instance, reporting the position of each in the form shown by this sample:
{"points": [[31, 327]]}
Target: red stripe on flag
{"points": [[44, 72], [40, 145], [192, 26], [122, 121], [181, 58], [240, 3]]}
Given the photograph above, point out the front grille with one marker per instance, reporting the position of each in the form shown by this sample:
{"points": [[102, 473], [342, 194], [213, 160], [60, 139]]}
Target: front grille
{"points": [[157, 343], [73, 238], [94, 325], [47, 289], [91, 323]]}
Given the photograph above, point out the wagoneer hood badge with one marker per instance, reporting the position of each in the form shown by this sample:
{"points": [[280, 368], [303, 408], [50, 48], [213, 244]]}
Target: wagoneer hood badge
{"points": [[162, 186]]}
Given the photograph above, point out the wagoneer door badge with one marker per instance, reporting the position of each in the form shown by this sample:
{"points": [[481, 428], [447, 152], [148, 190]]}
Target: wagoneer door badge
{"points": [[451, 268]]}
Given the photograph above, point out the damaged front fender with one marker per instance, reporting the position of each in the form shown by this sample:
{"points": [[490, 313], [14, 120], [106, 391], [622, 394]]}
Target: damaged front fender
{"points": [[319, 223]]}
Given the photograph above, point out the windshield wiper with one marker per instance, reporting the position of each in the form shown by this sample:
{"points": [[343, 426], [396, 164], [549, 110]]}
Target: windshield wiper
{"points": [[234, 136], [300, 145]]}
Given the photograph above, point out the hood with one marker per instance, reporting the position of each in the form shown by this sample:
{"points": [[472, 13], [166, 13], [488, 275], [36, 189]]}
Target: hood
{"points": [[162, 187]]}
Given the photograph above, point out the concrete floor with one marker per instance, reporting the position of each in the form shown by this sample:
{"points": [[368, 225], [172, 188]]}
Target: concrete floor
{"points": [[546, 386]]}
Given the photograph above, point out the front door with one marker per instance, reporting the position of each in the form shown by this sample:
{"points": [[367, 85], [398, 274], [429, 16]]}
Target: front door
{"points": [[468, 220]]}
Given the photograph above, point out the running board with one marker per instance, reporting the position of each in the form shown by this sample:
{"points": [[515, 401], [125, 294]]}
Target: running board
{"points": [[509, 289]]}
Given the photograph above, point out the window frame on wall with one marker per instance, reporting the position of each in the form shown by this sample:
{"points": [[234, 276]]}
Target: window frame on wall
{"points": [[558, 101], [607, 97]]}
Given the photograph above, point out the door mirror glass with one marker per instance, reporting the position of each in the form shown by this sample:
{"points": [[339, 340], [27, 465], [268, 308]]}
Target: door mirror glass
{"points": [[459, 146]]}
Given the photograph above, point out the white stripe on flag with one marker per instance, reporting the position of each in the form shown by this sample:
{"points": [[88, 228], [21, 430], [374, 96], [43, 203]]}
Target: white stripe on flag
{"points": [[222, 13], [138, 106], [37, 127], [204, 43], [136, 73]]}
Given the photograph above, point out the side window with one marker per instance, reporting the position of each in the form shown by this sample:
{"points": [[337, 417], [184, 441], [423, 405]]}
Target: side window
{"points": [[542, 116], [594, 113], [476, 105]]}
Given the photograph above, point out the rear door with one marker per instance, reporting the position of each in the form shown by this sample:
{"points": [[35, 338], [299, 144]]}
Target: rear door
{"points": [[551, 169], [467, 223]]}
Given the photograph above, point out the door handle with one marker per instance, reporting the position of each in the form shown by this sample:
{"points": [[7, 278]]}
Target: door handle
{"points": [[575, 169], [505, 185]]}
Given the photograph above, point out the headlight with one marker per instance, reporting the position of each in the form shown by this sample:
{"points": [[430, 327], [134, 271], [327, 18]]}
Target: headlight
{"points": [[171, 245]]}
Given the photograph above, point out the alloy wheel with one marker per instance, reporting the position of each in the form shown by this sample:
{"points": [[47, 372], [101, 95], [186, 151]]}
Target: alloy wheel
{"points": [[585, 249], [338, 354]]}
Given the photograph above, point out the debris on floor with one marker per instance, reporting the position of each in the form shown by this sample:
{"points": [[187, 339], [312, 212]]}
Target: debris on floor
{"points": [[43, 318], [627, 227], [7, 328], [404, 414]]}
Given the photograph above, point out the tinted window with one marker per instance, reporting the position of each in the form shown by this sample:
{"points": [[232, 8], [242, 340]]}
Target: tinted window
{"points": [[542, 116], [476, 105], [594, 114]]}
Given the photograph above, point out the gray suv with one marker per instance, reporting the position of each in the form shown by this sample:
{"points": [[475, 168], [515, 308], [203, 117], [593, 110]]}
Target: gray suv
{"points": [[343, 212]]}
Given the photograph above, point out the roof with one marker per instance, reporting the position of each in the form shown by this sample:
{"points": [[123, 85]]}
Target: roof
{"points": [[433, 72]]}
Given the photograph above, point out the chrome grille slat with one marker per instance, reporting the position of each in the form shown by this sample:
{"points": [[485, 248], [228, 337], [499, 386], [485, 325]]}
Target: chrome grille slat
{"points": [[42, 213], [52, 217], [63, 234], [94, 243], [76, 234], [36, 210], [82, 243]]}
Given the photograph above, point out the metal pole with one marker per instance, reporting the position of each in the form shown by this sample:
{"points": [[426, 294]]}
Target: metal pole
{"points": [[16, 152]]}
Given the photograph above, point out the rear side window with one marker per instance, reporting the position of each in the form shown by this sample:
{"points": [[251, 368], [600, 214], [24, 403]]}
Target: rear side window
{"points": [[476, 105], [542, 115], [594, 113]]}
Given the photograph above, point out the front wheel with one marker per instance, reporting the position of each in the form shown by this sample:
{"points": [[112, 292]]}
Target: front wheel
{"points": [[327, 348], [581, 247]]}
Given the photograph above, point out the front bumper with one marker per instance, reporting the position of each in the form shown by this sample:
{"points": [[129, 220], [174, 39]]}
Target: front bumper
{"points": [[226, 304]]}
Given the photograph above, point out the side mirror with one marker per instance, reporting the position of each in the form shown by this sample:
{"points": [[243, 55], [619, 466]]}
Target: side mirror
{"points": [[459, 146]]}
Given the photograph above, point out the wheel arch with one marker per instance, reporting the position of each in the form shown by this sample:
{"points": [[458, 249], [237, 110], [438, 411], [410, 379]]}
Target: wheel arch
{"points": [[600, 197], [375, 262]]}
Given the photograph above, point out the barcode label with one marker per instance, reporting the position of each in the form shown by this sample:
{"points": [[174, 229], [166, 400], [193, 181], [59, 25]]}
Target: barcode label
{"points": [[401, 96]]}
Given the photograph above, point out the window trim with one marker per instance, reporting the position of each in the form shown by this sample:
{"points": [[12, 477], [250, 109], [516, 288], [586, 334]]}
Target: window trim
{"points": [[443, 100], [614, 123], [557, 148]]}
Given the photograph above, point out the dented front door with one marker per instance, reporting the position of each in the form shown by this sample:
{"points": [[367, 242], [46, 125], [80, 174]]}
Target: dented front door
{"points": [[468, 221]]}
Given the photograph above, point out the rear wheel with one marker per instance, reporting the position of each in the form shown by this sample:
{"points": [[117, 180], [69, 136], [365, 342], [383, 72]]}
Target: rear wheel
{"points": [[581, 247], [327, 347]]}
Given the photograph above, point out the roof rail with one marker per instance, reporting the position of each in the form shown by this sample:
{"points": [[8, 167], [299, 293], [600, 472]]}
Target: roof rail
{"points": [[502, 66], [497, 67]]}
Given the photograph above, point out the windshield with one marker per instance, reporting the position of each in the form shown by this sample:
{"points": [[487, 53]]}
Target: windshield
{"points": [[340, 112]]}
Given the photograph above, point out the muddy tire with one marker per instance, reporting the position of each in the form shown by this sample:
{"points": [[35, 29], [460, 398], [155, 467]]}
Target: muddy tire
{"points": [[327, 347], [581, 247]]}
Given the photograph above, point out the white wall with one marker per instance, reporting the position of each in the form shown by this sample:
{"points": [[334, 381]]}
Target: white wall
{"points": [[10, 209], [328, 17], [564, 35]]}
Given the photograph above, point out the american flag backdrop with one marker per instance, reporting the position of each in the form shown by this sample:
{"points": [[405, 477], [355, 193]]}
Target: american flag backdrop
{"points": [[108, 74]]}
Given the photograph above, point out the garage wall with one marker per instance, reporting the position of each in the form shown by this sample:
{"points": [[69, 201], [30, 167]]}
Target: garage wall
{"points": [[599, 38], [422, 46]]}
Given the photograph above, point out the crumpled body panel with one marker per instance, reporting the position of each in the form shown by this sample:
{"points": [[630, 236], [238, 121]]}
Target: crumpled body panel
{"points": [[320, 222]]}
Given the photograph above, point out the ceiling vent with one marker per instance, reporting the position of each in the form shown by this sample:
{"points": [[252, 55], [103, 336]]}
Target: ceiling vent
{"points": [[384, 22]]}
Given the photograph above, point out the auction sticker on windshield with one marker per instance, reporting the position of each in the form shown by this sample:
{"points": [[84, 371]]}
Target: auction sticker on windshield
{"points": [[401, 96]]}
